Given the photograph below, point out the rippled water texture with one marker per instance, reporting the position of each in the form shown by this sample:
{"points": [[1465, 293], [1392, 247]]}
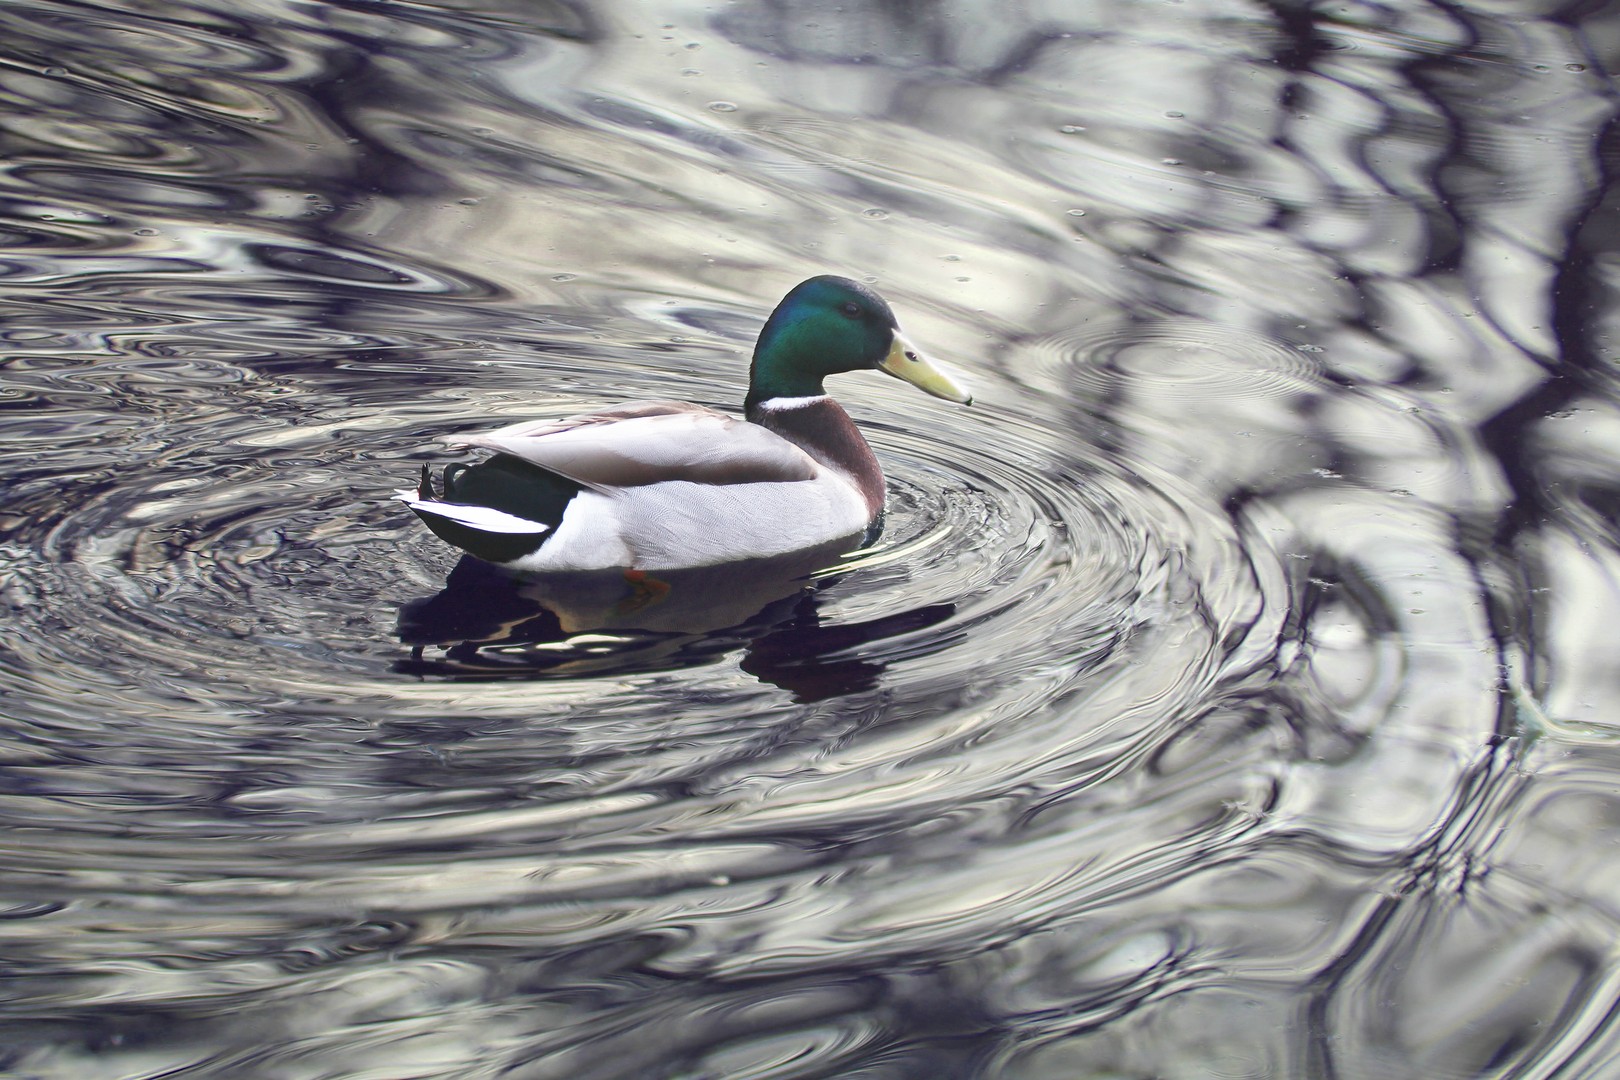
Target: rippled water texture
{"points": [[1230, 694]]}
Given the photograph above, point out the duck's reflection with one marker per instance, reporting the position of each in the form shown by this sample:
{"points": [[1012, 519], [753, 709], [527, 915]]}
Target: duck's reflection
{"points": [[492, 624]]}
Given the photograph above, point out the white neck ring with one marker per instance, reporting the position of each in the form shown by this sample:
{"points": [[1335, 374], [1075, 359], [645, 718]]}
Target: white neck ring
{"points": [[782, 404]]}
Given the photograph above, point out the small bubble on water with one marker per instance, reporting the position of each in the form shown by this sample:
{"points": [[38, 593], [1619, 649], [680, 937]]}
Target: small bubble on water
{"points": [[54, 72], [690, 73], [723, 106], [1170, 161], [468, 202], [1574, 67], [953, 258], [146, 232], [563, 277], [1075, 212], [875, 213], [1309, 348], [694, 45], [1175, 114], [1071, 129]]}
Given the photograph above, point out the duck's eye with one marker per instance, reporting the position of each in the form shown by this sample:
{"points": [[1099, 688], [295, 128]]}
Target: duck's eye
{"points": [[852, 309]]}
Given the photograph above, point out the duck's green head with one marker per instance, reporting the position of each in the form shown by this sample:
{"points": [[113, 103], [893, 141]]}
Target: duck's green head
{"points": [[827, 325]]}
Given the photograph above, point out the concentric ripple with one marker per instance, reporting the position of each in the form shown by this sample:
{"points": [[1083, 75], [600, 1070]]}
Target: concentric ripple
{"points": [[223, 601], [1227, 685], [1180, 360]]}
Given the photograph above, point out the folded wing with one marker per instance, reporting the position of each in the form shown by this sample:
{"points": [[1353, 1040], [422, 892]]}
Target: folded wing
{"points": [[648, 443]]}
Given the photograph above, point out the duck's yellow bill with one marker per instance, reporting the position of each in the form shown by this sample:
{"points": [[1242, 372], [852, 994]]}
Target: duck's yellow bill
{"points": [[905, 362]]}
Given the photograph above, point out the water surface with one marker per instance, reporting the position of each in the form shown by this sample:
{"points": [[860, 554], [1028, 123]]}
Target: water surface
{"points": [[1229, 693]]}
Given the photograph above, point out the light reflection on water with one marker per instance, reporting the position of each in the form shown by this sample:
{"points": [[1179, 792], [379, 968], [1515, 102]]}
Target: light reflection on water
{"points": [[1224, 697]]}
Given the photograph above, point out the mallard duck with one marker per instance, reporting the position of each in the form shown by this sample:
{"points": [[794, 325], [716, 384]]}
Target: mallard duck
{"points": [[659, 485]]}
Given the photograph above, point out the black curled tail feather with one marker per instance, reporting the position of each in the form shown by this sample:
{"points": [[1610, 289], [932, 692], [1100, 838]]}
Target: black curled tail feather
{"points": [[503, 483]]}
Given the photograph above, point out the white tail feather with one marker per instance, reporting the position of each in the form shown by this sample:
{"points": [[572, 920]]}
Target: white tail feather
{"points": [[483, 518]]}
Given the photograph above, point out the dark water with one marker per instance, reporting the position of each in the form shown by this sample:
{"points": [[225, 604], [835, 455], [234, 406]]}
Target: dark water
{"points": [[1231, 693]]}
